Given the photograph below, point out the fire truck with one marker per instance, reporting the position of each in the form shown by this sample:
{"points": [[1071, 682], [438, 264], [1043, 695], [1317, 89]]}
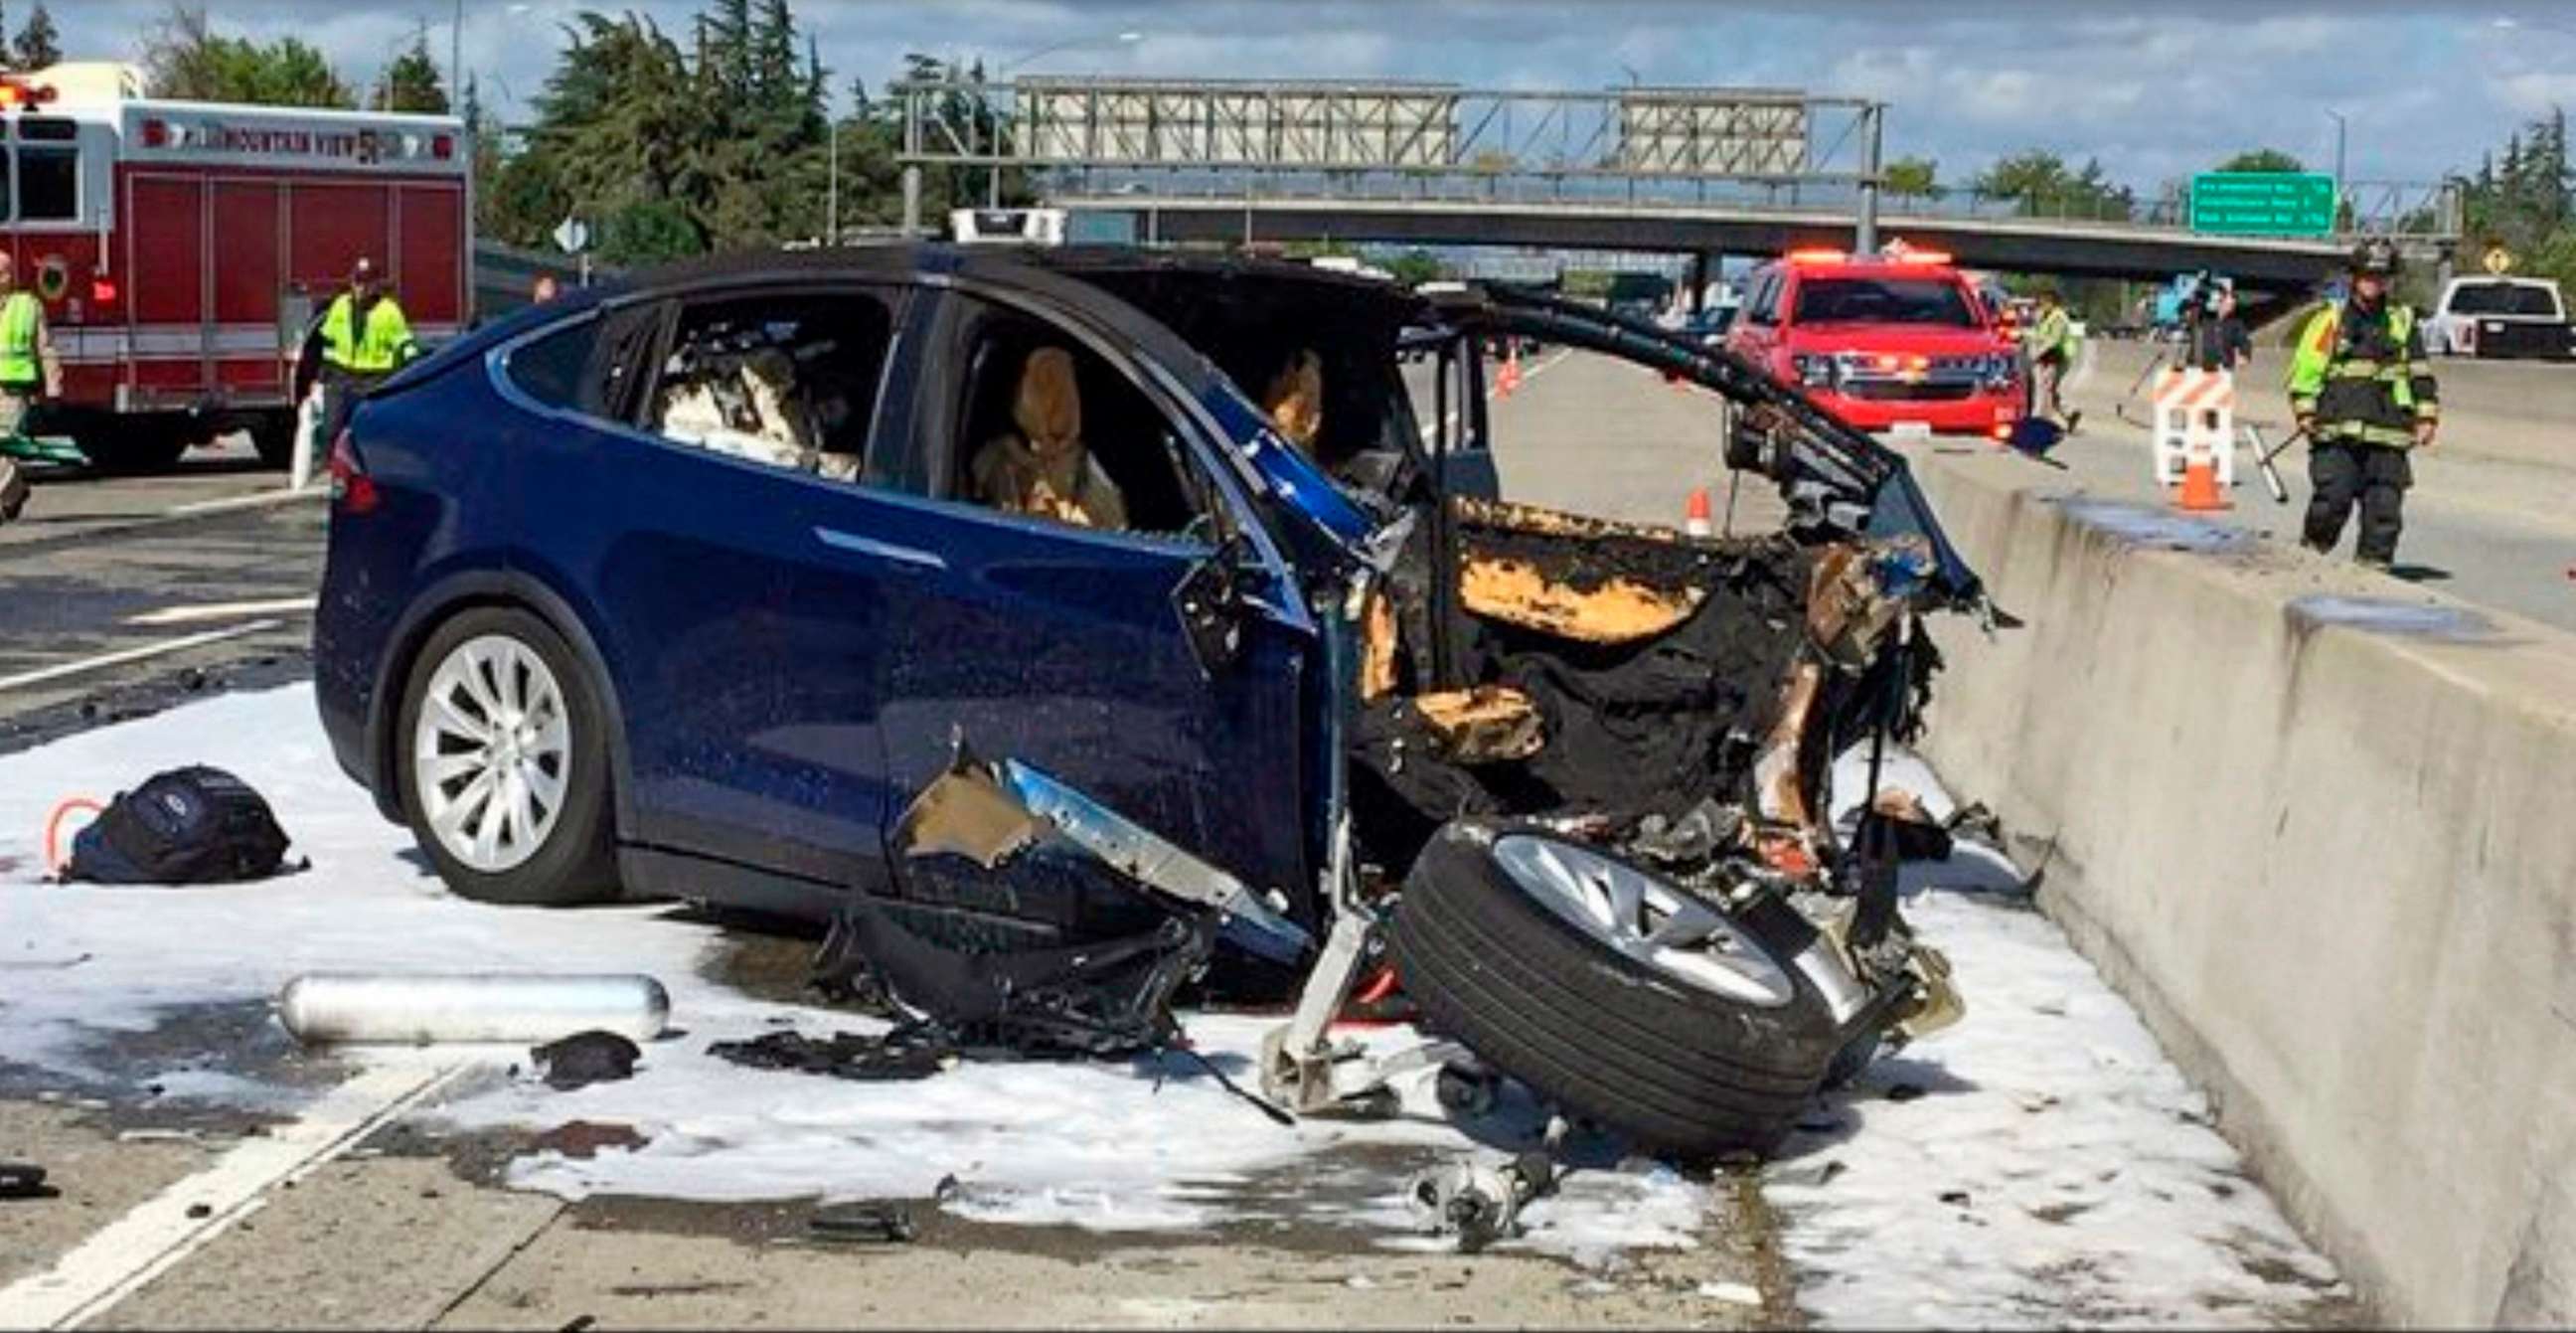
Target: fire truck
{"points": [[182, 249]]}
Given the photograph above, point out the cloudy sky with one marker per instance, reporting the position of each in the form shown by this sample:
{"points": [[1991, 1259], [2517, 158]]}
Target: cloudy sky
{"points": [[2156, 91]]}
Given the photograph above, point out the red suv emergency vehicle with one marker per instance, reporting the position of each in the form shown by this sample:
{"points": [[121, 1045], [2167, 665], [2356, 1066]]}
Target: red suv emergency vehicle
{"points": [[1883, 341], [181, 248]]}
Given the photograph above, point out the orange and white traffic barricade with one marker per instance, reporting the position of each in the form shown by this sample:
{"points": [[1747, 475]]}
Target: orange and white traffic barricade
{"points": [[2195, 415]]}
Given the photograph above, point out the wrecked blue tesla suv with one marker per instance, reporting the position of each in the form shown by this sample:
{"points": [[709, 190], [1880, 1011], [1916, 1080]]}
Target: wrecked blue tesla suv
{"points": [[1021, 604]]}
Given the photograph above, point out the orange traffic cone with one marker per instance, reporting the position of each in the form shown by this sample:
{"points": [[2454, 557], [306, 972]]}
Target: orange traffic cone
{"points": [[2200, 487], [1695, 515], [1509, 382]]}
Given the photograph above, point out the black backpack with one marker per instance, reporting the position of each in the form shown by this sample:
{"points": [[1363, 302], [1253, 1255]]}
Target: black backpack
{"points": [[194, 825]]}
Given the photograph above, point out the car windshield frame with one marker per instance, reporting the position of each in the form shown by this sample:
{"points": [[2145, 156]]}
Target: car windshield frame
{"points": [[1918, 300]]}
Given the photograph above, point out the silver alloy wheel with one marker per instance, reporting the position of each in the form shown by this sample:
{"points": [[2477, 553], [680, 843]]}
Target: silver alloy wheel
{"points": [[491, 753], [1641, 916]]}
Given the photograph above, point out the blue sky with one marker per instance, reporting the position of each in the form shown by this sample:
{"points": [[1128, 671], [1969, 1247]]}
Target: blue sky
{"points": [[2155, 91]]}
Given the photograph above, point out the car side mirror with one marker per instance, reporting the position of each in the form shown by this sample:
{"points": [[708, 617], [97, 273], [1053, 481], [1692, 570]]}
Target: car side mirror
{"points": [[1211, 603]]}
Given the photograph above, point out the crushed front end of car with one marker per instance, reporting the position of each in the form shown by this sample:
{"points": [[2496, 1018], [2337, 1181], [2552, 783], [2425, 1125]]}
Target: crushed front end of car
{"points": [[1579, 791]]}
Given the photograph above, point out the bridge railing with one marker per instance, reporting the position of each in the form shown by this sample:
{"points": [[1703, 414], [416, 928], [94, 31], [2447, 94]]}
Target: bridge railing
{"points": [[1419, 133], [1393, 142]]}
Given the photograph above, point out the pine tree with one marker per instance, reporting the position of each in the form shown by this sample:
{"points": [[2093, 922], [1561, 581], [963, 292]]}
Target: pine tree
{"points": [[8, 58], [411, 82], [38, 44]]}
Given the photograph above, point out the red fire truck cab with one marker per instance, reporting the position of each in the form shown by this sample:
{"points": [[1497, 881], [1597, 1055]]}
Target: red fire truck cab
{"points": [[182, 248]]}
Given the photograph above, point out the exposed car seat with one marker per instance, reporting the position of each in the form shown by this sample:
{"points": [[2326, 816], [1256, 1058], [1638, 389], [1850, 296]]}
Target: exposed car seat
{"points": [[1043, 467]]}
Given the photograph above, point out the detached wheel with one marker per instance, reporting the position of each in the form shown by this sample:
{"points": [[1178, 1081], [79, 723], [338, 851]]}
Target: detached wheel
{"points": [[502, 758], [1615, 993]]}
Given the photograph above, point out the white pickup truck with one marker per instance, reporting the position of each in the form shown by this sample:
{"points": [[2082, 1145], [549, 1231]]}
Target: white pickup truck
{"points": [[2497, 316]]}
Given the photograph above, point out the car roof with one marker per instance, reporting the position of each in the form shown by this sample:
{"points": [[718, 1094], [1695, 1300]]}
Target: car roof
{"points": [[1016, 268]]}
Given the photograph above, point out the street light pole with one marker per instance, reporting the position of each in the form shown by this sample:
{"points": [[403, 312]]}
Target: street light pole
{"points": [[832, 187], [993, 182], [2336, 223]]}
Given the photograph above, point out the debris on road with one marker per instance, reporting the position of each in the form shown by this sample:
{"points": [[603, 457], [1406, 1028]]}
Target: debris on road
{"points": [[1479, 1202], [581, 1140], [24, 1180], [585, 1058], [884, 1223], [359, 1008], [193, 825], [904, 1054]]}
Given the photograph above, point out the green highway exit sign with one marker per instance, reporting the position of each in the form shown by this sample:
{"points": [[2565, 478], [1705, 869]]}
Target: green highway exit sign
{"points": [[2263, 203]]}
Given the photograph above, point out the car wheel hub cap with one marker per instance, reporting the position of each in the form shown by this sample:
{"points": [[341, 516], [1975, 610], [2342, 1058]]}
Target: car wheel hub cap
{"points": [[492, 753], [1644, 918]]}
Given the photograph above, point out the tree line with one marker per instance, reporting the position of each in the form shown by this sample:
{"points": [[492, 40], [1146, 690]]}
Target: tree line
{"points": [[666, 144], [37, 43]]}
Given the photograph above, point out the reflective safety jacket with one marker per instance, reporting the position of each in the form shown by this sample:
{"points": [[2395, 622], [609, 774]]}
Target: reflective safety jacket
{"points": [[369, 346], [2362, 376], [2055, 332], [22, 325]]}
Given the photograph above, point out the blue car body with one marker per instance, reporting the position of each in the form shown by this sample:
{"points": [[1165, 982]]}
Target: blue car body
{"points": [[784, 662]]}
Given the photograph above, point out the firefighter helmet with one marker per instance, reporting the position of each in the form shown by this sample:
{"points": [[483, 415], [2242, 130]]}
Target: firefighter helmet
{"points": [[2376, 257]]}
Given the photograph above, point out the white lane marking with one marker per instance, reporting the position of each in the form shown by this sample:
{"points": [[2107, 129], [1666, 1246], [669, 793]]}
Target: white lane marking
{"points": [[122, 656], [1536, 369], [254, 500], [122, 1256], [190, 615]]}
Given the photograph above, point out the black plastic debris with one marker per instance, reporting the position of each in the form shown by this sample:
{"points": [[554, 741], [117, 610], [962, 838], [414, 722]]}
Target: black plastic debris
{"points": [[880, 1223], [906, 1054], [1112, 997], [585, 1058], [24, 1180]]}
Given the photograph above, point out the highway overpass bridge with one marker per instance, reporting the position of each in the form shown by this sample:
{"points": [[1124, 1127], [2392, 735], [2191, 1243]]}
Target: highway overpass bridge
{"points": [[1697, 171], [2072, 247]]}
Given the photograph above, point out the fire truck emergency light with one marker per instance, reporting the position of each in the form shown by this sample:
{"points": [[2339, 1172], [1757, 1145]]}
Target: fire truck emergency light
{"points": [[15, 93]]}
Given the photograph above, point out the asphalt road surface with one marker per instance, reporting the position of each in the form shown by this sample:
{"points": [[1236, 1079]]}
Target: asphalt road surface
{"points": [[118, 591], [409, 1228], [2492, 516]]}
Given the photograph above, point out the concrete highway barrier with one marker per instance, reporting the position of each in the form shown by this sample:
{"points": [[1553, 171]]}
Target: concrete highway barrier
{"points": [[2323, 832], [2506, 411]]}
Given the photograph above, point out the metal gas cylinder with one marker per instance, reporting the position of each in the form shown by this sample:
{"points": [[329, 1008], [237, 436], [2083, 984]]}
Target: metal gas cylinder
{"points": [[422, 1008]]}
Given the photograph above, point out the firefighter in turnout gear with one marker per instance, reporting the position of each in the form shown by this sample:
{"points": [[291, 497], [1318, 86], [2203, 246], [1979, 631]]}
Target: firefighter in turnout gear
{"points": [[364, 338], [2361, 390]]}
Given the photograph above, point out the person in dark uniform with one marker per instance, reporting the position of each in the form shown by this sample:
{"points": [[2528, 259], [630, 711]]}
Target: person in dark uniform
{"points": [[2361, 389]]}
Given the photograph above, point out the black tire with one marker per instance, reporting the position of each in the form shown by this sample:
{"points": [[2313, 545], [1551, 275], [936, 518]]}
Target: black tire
{"points": [[1683, 1071], [273, 435], [577, 862]]}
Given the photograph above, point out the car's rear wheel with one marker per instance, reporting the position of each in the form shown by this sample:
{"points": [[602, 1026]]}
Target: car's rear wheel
{"points": [[1617, 994], [502, 757]]}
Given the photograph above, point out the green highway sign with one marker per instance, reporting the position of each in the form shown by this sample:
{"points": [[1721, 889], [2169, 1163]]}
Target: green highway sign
{"points": [[2263, 203]]}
